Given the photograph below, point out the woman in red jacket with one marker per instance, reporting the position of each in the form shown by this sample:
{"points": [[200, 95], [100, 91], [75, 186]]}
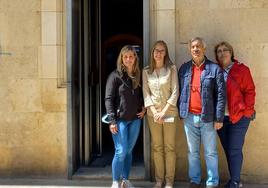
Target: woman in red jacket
{"points": [[239, 109]]}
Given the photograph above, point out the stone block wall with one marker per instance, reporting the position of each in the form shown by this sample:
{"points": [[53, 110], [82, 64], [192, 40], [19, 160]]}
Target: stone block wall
{"points": [[243, 23], [33, 131]]}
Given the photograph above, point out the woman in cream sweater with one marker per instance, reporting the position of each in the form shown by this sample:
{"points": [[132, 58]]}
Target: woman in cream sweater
{"points": [[160, 92]]}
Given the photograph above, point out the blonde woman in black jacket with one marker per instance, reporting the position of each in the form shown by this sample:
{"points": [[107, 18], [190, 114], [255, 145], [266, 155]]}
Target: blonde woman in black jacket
{"points": [[124, 106]]}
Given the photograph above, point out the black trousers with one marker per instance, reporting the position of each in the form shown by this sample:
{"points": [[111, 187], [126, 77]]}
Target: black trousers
{"points": [[232, 137]]}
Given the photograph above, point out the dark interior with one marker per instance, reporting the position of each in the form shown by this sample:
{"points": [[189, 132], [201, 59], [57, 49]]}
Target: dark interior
{"points": [[100, 29], [121, 24]]}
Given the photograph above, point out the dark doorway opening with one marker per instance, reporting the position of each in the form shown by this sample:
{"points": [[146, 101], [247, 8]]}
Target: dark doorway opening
{"points": [[100, 29], [121, 24]]}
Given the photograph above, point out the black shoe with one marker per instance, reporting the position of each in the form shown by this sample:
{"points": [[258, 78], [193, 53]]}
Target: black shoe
{"points": [[194, 185], [226, 185], [232, 185], [212, 186]]}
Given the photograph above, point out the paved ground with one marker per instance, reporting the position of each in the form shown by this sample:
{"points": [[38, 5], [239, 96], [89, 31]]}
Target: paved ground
{"points": [[61, 183]]}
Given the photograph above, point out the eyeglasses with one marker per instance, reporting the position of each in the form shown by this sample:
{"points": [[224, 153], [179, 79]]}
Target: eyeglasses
{"points": [[223, 51], [159, 51]]}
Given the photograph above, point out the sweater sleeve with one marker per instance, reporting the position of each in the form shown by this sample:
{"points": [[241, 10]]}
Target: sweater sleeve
{"points": [[249, 93], [110, 98], [146, 90]]}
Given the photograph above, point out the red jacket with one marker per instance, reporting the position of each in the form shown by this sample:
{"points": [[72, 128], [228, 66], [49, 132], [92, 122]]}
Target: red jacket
{"points": [[240, 92]]}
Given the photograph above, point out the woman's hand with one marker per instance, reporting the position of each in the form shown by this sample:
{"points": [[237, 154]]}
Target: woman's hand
{"points": [[159, 115], [113, 128], [142, 113], [160, 121]]}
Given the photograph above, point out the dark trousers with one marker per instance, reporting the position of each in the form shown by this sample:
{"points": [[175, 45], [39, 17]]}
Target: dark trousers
{"points": [[232, 138]]}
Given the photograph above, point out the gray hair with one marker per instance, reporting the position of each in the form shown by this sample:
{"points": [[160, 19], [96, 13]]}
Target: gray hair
{"points": [[201, 40]]}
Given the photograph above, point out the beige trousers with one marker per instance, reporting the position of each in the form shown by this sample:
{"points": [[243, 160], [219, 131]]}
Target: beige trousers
{"points": [[163, 145]]}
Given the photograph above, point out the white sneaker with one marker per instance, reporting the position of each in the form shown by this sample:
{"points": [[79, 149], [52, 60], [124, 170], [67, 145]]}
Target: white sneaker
{"points": [[168, 186], [126, 184], [158, 185], [115, 184]]}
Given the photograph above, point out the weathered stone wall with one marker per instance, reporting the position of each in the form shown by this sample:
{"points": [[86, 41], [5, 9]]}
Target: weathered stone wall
{"points": [[33, 125], [33, 129], [244, 24]]}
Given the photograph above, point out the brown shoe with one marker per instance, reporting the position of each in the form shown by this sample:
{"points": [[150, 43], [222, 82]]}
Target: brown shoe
{"points": [[158, 185]]}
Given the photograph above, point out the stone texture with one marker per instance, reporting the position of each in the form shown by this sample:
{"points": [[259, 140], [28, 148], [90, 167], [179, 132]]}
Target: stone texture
{"points": [[210, 25], [167, 4], [50, 28], [52, 5], [235, 4], [229, 4], [33, 144], [53, 98], [262, 100], [5, 104], [24, 6], [258, 4], [181, 153], [191, 4], [241, 23], [21, 63], [182, 53], [17, 128], [49, 61], [33, 131], [252, 25], [51, 129], [165, 25], [5, 160], [14, 33], [171, 50], [262, 68], [39, 155], [33, 112], [25, 95]]}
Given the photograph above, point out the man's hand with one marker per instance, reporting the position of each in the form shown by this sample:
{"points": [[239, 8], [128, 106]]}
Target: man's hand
{"points": [[218, 125]]}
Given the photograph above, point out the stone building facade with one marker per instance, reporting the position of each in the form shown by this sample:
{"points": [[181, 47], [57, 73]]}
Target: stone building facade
{"points": [[36, 91]]}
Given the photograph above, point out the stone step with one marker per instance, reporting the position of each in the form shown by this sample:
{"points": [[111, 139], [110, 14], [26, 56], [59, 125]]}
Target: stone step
{"points": [[136, 173]]}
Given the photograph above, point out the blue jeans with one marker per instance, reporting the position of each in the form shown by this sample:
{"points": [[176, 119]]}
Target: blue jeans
{"points": [[124, 142], [197, 132], [232, 138]]}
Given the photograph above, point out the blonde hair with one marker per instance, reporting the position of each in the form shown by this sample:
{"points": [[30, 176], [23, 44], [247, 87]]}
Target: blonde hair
{"points": [[135, 76], [167, 61]]}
